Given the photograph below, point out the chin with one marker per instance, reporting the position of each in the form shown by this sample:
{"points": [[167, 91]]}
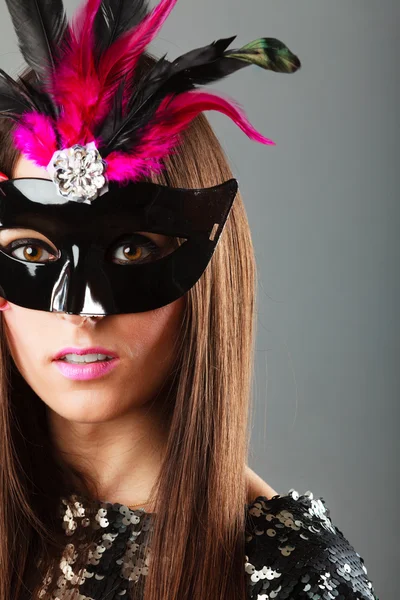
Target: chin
{"points": [[87, 407]]}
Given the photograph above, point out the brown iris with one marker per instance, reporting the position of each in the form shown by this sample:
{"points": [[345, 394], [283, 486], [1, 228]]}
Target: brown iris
{"points": [[133, 255], [32, 255]]}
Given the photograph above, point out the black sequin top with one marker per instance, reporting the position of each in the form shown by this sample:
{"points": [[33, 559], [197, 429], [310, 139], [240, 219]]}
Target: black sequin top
{"points": [[293, 551]]}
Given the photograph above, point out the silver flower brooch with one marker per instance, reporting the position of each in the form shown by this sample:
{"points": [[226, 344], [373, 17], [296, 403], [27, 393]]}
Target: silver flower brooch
{"points": [[79, 173]]}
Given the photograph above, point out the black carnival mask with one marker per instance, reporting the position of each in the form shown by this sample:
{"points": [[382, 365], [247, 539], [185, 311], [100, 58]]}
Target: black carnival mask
{"points": [[118, 254]]}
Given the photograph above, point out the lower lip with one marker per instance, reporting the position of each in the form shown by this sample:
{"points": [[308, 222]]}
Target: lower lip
{"points": [[83, 372]]}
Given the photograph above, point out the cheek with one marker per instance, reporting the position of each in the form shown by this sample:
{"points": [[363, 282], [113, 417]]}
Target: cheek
{"points": [[153, 333], [14, 327], [26, 336]]}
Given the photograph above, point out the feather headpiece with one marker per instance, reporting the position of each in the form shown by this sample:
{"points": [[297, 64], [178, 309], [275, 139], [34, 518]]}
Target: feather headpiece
{"points": [[85, 119]]}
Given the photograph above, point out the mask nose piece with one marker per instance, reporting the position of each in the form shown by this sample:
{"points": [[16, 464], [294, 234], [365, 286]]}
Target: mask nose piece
{"points": [[83, 287]]}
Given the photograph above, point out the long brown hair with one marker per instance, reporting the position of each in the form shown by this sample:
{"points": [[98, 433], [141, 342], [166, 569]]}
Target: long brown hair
{"points": [[197, 545]]}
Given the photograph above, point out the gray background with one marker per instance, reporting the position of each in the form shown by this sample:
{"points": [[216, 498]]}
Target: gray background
{"points": [[323, 206]]}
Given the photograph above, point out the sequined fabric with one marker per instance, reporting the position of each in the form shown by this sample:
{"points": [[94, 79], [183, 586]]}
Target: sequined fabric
{"points": [[117, 562], [293, 551]]}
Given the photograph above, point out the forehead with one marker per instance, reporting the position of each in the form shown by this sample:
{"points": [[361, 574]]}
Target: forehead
{"points": [[27, 168]]}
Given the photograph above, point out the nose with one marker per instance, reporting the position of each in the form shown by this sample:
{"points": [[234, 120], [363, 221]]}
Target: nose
{"points": [[80, 320]]}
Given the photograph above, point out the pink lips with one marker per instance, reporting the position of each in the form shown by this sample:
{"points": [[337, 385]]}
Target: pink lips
{"points": [[88, 370], [80, 351]]}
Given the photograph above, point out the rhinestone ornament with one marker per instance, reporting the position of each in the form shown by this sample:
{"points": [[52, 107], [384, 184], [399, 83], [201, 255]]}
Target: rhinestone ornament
{"points": [[78, 173]]}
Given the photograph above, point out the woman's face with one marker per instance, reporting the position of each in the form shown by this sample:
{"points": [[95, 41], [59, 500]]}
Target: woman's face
{"points": [[144, 343]]}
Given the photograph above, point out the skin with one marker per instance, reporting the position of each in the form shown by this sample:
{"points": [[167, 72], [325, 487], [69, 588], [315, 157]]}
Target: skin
{"points": [[109, 425]]}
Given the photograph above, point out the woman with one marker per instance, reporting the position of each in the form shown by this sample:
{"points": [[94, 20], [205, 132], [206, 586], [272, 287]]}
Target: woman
{"points": [[128, 478]]}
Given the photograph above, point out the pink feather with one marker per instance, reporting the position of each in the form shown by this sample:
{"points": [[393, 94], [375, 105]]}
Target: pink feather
{"points": [[120, 60], [162, 134], [76, 85], [86, 92], [35, 138]]}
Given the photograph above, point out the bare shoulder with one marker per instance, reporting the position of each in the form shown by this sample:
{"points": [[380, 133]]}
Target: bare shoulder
{"points": [[256, 486]]}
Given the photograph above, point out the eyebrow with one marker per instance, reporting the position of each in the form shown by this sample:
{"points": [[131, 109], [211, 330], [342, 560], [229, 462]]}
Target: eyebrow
{"points": [[20, 231]]}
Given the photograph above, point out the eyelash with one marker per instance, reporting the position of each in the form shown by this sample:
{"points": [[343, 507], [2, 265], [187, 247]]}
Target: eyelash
{"points": [[21, 243]]}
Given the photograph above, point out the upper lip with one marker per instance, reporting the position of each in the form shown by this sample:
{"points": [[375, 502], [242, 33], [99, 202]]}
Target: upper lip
{"points": [[93, 350]]}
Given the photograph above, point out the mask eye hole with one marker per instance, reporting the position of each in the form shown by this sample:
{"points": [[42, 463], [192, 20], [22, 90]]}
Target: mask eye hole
{"points": [[139, 248], [135, 250], [130, 249], [28, 245]]}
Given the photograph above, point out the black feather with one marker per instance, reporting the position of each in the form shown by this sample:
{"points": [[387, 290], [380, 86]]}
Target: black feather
{"points": [[43, 101], [14, 98], [199, 66], [40, 26], [20, 96], [196, 67], [114, 18]]}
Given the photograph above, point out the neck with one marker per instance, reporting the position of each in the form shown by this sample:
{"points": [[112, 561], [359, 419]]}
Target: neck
{"points": [[123, 456]]}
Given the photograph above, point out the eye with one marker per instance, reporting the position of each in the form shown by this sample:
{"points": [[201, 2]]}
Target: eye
{"points": [[31, 250], [136, 249]]}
